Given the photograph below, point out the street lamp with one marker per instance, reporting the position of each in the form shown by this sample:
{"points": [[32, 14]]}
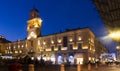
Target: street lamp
{"points": [[118, 47], [115, 35], [118, 52]]}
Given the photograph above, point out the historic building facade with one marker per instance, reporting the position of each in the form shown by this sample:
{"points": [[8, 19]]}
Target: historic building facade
{"points": [[74, 46]]}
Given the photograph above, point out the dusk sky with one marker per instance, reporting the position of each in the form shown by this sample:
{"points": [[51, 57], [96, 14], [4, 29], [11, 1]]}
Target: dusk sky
{"points": [[56, 15]]}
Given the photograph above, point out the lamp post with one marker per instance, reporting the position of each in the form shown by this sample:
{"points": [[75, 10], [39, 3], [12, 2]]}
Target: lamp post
{"points": [[118, 53], [115, 35]]}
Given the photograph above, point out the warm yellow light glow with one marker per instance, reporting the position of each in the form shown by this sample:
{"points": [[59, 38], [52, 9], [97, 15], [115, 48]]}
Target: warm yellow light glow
{"points": [[64, 48], [26, 45], [20, 51], [16, 51], [115, 35], [52, 42], [118, 47], [79, 38], [48, 49], [36, 25], [22, 45], [38, 42], [36, 22], [70, 39], [89, 58], [55, 49], [79, 60], [90, 48], [59, 40], [32, 58], [44, 42], [38, 58], [75, 48], [85, 47]]}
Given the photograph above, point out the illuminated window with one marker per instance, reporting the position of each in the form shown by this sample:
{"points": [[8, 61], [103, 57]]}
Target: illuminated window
{"points": [[52, 41], [59, 40], [44, 42], [39, 42], [79, 38], [70, 39], [55, 49], [85, 47], [20, 51], [89, 58], [16, 51], [79, 60]]}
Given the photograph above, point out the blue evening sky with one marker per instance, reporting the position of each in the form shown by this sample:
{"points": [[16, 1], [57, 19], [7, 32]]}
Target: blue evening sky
{"points": [[56, 15]]}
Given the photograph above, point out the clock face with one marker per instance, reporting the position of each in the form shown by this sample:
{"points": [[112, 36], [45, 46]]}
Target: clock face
{"points": [[32, 34]]}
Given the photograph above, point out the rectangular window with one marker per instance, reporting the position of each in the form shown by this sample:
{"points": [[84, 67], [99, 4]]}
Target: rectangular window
{"points": [[59, 47], [71, 46], [52, 48], [65, 42], [79, 45], [16, 52]]}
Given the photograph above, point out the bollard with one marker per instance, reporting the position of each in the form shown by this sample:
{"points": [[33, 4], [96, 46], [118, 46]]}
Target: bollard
{"points": [[89, 67], [62, 67], [78, 67], [31, 67]]}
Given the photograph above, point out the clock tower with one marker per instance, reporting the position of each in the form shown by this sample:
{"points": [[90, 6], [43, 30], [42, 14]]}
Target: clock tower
{"points": [[34, 24]]}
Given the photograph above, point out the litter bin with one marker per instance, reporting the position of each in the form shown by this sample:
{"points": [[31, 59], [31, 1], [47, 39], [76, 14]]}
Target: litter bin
{"points": [[15, 67]]}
